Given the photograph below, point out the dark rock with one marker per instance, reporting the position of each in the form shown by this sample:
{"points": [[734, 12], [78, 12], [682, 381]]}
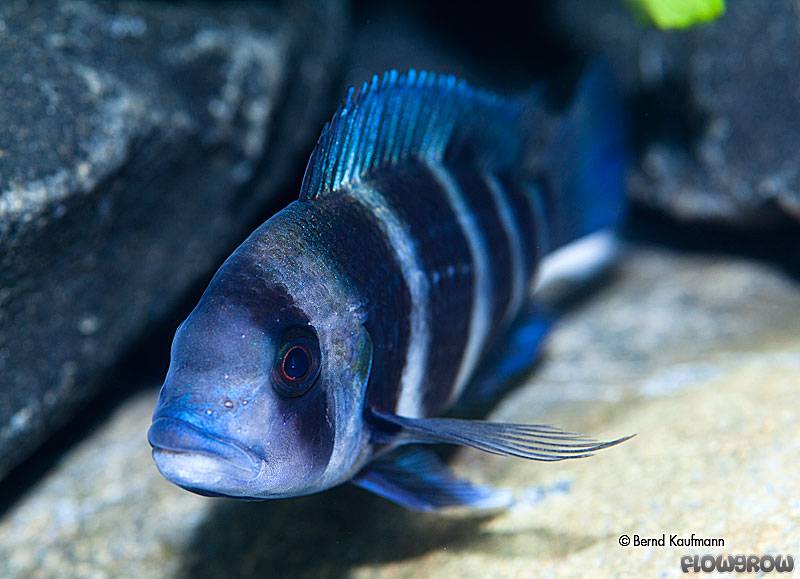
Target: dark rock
{"points": [[717, 107], [138, 143]]}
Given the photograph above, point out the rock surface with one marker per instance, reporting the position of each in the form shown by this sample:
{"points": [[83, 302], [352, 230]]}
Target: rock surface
{"points": [[698, 354], [138, 142], [717, 107]]}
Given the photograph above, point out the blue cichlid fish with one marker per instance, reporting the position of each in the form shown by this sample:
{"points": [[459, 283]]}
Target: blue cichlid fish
{"points": [[329, 343]]}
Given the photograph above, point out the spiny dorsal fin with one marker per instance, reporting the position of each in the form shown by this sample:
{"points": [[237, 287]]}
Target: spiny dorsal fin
{"points": [[412, 115]]}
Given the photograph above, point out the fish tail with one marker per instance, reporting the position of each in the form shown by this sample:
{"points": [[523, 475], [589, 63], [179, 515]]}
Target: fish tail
{"points": [[584, 169]]}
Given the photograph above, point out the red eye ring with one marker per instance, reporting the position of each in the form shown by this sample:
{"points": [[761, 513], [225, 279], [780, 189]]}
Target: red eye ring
{"points": [[296, 363]]}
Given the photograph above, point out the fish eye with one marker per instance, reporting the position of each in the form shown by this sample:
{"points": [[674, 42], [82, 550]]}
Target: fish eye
{"points": [[297, 363]]}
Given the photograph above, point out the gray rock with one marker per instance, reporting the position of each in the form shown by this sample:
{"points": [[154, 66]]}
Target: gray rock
{"points": [[696, 354], [138, 143], [717, 107]]}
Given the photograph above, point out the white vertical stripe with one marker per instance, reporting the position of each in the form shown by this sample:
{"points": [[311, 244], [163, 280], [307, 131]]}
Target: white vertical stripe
{"points": [[410, 396], [518, 281], [481, 315]]}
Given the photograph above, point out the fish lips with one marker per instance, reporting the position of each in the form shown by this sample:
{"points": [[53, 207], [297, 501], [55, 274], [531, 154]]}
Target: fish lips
{"points": [[201, 462]]}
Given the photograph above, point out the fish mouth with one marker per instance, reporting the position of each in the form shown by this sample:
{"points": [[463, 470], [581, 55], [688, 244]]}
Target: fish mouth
{"points": [[201, 462]]}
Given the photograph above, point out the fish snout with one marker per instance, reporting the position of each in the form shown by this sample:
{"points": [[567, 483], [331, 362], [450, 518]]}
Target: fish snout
{"points": [[194, 458]]}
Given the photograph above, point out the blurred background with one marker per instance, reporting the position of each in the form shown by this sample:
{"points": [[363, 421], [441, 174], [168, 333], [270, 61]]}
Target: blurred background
{"points": [[140, 142]]}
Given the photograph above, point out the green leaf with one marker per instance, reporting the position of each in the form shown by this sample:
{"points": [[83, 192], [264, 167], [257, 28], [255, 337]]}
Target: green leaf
{"points": [[670, 14]]}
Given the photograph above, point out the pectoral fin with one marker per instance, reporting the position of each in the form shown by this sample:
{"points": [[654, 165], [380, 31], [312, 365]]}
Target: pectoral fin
{"points": [[415, 478], [531, 441]]}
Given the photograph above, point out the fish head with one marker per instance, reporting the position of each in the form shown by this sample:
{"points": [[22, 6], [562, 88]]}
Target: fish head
{"points": [[264, 393]]}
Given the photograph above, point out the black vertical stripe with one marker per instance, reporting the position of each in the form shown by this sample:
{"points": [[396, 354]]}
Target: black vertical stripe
{"points": [[481, 202], [549, 213], [419, 200], [524, 211], [353, 239]]}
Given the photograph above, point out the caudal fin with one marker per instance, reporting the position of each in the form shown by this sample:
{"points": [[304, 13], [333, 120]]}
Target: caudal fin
{"points": [[586, 161]]}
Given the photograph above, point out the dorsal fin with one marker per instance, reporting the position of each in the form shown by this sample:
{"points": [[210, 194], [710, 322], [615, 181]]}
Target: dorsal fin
{"points": [[413, 115]]}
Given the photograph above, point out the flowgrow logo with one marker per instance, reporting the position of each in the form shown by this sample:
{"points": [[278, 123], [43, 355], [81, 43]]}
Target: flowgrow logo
{"points": [[738, 563], [711, 563]]}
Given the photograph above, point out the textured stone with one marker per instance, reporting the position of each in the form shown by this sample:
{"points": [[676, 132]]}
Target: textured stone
{"points": [[698, 354], [138, 143], [716, 108]]}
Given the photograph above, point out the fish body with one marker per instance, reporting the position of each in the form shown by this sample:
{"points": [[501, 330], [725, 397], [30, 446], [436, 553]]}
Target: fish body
{"points": [[329, 344]]}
